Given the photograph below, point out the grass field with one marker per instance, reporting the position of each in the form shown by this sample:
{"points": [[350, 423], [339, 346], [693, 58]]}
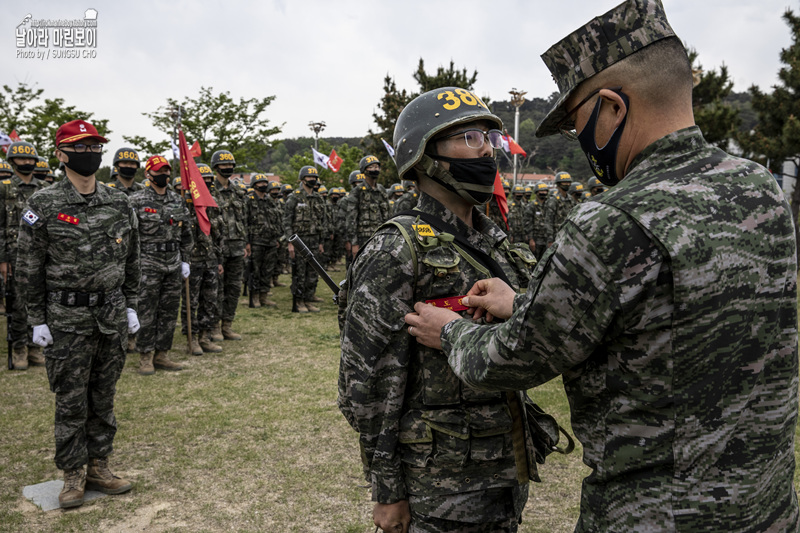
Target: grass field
{"points": [[247, 440]]}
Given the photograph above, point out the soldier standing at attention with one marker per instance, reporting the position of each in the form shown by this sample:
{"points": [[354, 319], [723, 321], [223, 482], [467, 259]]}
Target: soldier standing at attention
{"points": [[304, 214], [275, 193], [14, 193], [516, 210], [231, 201], [535, 226], [265, 223], [356, 179], [439, 456], [369, 207], [6, 172], [595, 187], [409, 198], [557, 206], [166, 242], [81, 279], [669, 304]]}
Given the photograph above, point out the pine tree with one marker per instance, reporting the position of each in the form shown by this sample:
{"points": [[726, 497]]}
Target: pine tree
{"points": [[718, 121]]}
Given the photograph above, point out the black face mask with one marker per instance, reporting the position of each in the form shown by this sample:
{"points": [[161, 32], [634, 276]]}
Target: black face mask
{"points": [[274, 196], [160, 180], [311, 183], [603, 160], [262, 190], [209, 183], [373, 173], [477, 172], [564, 187], [85, 164], [127, 172], [225, 172], [25, 169], [542, 197]]}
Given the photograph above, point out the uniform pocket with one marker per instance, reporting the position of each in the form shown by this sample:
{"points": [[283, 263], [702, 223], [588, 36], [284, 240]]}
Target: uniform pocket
{"points": [[490, 428], [65, 239], [450, 435], [118, 235]]}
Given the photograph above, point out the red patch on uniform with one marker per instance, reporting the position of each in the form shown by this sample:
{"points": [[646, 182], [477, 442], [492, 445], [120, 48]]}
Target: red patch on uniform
{"points": [[452, 303], [150, 210], [67, 218]]}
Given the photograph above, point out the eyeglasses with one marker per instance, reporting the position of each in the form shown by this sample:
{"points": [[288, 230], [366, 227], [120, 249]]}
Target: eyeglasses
{"points": [[567, 126], [81, 148], [475, 137]]}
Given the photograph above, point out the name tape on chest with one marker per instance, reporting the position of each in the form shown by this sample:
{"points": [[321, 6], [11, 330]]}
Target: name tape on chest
{"points": [[423, 230], [30, 217], [452, 303], [63, 217]]}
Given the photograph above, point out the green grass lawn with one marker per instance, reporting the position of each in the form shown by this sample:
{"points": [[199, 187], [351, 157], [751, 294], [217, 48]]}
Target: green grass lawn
{"points": [[247, 440]]}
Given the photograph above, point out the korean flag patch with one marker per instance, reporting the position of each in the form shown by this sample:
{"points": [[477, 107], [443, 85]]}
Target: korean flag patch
{"points": [[30, 217]]}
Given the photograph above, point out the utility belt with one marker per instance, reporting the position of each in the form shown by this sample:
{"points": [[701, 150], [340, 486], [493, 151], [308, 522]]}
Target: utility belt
{"points": [[76, 298], [160, 247]]}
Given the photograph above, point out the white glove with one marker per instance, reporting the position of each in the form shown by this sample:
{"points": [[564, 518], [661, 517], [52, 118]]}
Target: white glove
{"points": [[42, 336], [133, 321], [185, 270]]}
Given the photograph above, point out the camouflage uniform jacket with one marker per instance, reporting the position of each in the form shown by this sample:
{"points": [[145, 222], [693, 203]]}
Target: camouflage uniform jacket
{"points": [[304, 214], [368, 210], [492, 210], [556, 209], [14, 194], [535, 226], [669, 306], [233, 210], [264, 220], [78, 244], [423, 432], [135, 186], [207, 249], [342, 209], [516, 221], [163, 221], [406, 202]]}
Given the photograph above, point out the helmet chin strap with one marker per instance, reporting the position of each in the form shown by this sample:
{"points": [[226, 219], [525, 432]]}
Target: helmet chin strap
{"points": [[434, 170]]}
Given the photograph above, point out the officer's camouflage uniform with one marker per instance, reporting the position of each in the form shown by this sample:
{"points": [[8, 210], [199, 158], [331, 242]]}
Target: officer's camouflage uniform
{"points": [[367, 211], [424, 435], [135, 186], [80, 272], [304, 214], [166, 240], [556, 209], [233, 209], [265, 223], [535, 225], [669, 306], [14, 194]]}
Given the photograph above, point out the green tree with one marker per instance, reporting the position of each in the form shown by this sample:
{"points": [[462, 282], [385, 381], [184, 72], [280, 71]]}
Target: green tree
{"points": [[393, 101], [15, 106], [217, 122], [776, 137], [351, 155], [716, 119]]}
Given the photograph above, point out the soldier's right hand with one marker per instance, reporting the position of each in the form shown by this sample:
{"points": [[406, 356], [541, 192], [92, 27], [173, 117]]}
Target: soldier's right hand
{"points": [[133, 321], [290, 248], [392, 517], [5, 271], [490, 297], [42, 336]]}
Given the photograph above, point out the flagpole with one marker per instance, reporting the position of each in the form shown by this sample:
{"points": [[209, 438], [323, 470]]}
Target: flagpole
{"points": [[517, 99], [316, 127]]}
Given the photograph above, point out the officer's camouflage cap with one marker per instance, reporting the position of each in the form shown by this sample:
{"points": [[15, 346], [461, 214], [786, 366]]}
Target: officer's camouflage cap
{"points": [[597, 45]]}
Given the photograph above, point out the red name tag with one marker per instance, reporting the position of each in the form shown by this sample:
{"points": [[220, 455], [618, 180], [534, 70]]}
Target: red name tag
{"points": [[67, 218], [150, 210], [453, 303]]}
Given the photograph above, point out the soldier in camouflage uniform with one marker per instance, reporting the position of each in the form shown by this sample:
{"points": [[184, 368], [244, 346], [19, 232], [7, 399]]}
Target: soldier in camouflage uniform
{"points": [[304, 215], [535, 226], [80, 273], [337, 244], [356, 179], [6, 172], [595, 187], [576, 193], [14, 193], [516, 216], [440, 456], [232, 204], [669, 304], [276, 193], [328, 230], [265, 223], [409, 198], [492, 209], [42, 169], [557, 206], [369, 207], [166, 241]]}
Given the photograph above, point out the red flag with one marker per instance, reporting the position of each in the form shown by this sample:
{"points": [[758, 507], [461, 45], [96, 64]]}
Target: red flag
{"points": [[510, 145], [334, 161], [192, 181], [195, 150], [500, 197], [14, 137]]}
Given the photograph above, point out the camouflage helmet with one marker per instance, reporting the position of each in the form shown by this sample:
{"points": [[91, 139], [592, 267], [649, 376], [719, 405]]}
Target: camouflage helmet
{"points": [[506, 185], [114, 172], [274, 186], [323, 190], [563, 177], [286, 188], [408, 184], [427, 115], [258, 178], [594, 183], [576, 187], [221, 157], [21, 149], [398, 188], [176, 182], [541, 186], [366, 161], [355, 176], [126, 154], [41, 166], [338, 191], [586, 194], [528, 191], [205, 170], [519, 189], [306, 171], [5, 168]]}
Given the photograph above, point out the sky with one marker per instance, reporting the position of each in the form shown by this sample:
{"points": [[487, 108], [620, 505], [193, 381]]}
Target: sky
{"points": [[326, 60]]}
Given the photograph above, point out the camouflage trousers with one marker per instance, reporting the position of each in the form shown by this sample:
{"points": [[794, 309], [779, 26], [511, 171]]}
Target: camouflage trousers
{"points": [[21, 334], [482, 511], [159, 302], [265, 259], [203, 291], [83, 371], [230, 286], [282, 262], [304, 277]]}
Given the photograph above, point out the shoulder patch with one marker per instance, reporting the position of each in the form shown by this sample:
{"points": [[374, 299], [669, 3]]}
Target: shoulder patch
{"points": [[112, 185], [30, 217], [6, 182], [423, 230]]}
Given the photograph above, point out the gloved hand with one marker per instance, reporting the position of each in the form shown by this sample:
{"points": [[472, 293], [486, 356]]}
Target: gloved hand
{"points": [[185, 270], [42, 336], [133, 321]]}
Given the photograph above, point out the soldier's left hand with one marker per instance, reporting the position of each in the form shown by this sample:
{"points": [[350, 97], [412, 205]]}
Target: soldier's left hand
{"points": [[247, 250], [427, 323], [133, 321], [185, 270], [321, 249], [42, 336]]}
